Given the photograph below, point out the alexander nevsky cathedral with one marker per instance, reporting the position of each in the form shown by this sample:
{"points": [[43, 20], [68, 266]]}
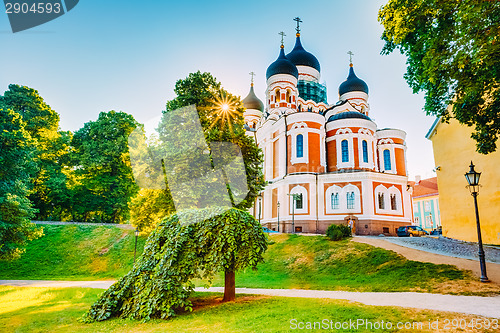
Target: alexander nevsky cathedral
{"points": [[325, 163]]}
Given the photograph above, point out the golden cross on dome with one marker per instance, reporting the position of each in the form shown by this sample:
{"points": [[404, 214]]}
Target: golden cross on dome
{"points": [[298, 20], [282, 37], [252, 74], [350, 56]]}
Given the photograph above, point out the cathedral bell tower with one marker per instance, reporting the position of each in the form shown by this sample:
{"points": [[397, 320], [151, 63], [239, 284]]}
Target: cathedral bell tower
{"points": [[281, 92]]}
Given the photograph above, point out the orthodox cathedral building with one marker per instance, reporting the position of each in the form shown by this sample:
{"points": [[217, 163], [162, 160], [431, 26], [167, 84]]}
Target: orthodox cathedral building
{"points": [[325, 163]]}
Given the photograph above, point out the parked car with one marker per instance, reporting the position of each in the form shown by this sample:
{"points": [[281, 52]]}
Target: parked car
{"points": [[437, 232], [411, 231], [269, 230]]}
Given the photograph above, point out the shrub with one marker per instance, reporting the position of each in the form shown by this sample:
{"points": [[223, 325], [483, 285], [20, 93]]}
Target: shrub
{"points": [[177, 252], [338, 231]]}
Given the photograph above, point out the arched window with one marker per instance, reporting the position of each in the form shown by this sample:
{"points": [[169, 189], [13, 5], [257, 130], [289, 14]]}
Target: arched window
{"points": [[345, 150], [387, 159], [300, 145], [394, 205], [278, 95], [365, 151], [335, 201], [381, 204], [350, 200], [288, 96], [299, 203]]}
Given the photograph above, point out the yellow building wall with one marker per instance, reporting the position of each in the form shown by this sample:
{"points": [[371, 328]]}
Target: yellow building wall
{"points": [[453, 151]]}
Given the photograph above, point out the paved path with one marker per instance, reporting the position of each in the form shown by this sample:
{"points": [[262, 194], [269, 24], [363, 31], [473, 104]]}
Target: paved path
{"points": [[493, 270], [58, 284], [121, 226], [472, 305]]}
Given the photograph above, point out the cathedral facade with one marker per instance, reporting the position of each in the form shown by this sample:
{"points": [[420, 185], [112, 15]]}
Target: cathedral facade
{"points": [[325, 163]]}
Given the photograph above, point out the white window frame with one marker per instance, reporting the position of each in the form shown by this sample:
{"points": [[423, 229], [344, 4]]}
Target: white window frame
{"points": [[357, 197], [387, 203], [298, 189], [334, 189], [389, 146], [365, 135], [341, 135], [399, 205], [299, 128]]}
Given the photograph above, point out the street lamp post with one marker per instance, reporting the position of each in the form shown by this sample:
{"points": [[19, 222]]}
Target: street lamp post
{"points": [[278, 205], [473, 179], [260, 202], [135, 248], [294, 198]]}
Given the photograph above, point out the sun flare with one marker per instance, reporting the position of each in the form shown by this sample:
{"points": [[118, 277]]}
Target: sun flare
{"points": [[225, 112]]}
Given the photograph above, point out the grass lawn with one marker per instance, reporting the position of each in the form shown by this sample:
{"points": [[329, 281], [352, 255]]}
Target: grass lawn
{"points": [[77, 252], [57, 310], [315, 262]]}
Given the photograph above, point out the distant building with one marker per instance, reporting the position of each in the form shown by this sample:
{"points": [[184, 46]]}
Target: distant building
{"points": [[453, 151], [425, 200], [325, 163]]}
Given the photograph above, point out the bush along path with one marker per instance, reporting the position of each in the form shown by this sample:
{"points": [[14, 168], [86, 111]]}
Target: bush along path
{"points": [[176, 253]]}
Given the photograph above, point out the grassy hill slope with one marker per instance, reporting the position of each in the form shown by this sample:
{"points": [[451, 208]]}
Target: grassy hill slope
{"points": [[77, 252]]}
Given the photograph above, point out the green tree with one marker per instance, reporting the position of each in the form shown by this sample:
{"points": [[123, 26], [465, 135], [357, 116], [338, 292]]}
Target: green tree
{"points": [[16, 172], [221, 117], [149, 207], [105, 183], [453, 55], [50, 194], [175, 254]]}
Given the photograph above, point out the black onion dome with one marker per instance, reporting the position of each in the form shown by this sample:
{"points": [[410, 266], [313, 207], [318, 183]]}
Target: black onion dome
{"points": [[282, 66], [348, 115], [300, 57], [252, 101], [353, 83]]}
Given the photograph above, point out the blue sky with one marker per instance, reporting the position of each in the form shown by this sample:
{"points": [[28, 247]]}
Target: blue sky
{"points": [[127, 55]]}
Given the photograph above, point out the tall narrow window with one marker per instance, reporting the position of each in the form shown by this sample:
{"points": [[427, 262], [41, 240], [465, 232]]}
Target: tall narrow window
{"points": [[381, 204], [288, 96], [365, 151], [387, 159], [350, 200], [278, 95], [299, 203], [300, 145], [335, 201], [393, 202], [345, 151]]}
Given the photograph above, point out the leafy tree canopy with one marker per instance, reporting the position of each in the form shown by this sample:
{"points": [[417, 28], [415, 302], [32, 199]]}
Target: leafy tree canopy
{"points": [[453, 55], [219, 125], [16, 172], [221, 117], [50, 194], [174, 254], [103, 167]]}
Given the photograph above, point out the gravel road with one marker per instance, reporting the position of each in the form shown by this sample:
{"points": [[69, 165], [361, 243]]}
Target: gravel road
{"points": [[447, 246]]}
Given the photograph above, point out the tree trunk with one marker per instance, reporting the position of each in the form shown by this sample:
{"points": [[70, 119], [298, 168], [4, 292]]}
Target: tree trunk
{"points": [[229, 286]]}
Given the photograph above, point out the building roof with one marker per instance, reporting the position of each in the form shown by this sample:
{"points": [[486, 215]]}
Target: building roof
{"points": [[300, 57], [348, 115], [252, 101], [282, 66], [432, 130], [352, 83], [425, 188]]}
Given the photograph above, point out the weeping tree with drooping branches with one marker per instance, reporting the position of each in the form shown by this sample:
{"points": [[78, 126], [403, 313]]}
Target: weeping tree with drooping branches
{"points": [[178, 252]]}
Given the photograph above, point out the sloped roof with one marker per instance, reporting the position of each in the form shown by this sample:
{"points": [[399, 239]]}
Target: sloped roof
{"points": [[425, 188]]}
